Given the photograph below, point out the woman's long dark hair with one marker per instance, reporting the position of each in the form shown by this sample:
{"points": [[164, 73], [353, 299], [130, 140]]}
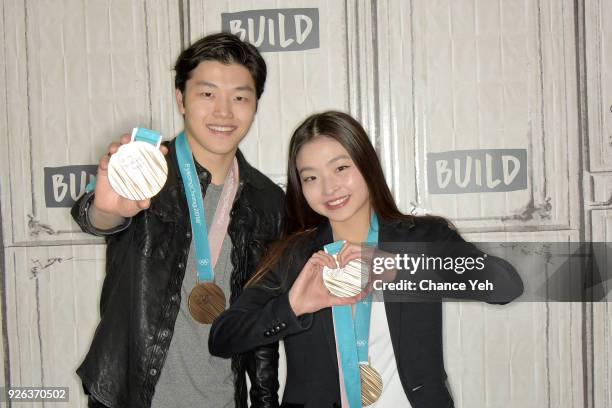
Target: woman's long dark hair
{"points": [[299, 217]]}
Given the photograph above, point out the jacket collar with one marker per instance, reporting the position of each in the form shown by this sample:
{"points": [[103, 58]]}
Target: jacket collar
{"points": [[170, 203], [388, 231], [248, 174]]}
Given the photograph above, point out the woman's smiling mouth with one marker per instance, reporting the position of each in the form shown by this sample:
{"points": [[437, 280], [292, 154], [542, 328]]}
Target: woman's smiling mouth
{"points": [[337, 203]]}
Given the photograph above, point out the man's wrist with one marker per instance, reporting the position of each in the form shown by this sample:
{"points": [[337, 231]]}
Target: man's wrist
{"points": [[103, 220]]}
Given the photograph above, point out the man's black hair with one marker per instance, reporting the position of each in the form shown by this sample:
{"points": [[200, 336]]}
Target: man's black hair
{"points": [[225, 48]]}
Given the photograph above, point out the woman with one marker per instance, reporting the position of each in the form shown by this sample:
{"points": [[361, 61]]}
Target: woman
{"points": [[336, 191]]}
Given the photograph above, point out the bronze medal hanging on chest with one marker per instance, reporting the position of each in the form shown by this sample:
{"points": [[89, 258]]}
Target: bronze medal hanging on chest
{"points": [[371, 384], [206, 302]]}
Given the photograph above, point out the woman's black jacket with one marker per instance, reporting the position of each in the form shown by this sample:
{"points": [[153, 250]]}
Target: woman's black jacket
{"points": [[262, 315]]}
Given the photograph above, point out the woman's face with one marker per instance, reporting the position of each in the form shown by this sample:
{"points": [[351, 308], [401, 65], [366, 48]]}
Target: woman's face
{"points": [[331, 182]]}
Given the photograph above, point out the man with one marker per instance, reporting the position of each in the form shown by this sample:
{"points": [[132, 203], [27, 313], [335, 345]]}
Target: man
{"points": [[147, 349]]}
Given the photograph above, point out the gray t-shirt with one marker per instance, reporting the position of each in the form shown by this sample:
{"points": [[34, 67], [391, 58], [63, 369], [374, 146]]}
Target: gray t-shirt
{"points": [[191, 377]]}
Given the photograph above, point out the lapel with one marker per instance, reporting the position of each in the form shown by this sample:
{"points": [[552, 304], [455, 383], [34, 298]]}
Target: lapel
{"points": [[389, 231]]}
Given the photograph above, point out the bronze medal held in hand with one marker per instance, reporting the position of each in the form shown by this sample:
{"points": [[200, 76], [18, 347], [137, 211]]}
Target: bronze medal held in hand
{"points": [[371, 384], [206, 302]]}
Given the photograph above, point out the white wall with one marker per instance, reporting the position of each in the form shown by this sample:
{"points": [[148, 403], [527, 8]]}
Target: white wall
{"points": [[422, 76]]}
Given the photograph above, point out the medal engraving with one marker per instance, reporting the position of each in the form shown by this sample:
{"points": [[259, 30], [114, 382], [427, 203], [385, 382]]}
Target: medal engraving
{"points": [[371, 384], [206, 302], [137, 171], [347, 281]]}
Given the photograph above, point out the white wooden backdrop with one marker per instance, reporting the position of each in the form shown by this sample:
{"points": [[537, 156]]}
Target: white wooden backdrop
{"points": [[422, 76]]}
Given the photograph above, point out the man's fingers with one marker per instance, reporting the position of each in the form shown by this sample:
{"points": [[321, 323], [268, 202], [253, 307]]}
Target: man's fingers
{"points": [[163, 149], [113, 147], [125, 138], [143, 204], [104, 162]]}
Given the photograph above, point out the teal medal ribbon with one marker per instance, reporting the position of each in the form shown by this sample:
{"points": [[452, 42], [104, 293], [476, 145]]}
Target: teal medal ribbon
{"points": [[195, 202], [352, 336], [206, 300], [146, 135]]}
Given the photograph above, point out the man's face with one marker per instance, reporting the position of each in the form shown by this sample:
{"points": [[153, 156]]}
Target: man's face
{"points": [[218, 105]]}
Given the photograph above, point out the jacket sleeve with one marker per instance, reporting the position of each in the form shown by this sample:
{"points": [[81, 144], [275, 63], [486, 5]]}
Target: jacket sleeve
{"points": [[505, 280], [262, 368], [261, 316], [80, 214], [262, 362], [496, 272]]}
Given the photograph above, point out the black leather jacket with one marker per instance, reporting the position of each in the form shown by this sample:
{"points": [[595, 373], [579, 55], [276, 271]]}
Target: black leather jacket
{"points": [[145, 266]]}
